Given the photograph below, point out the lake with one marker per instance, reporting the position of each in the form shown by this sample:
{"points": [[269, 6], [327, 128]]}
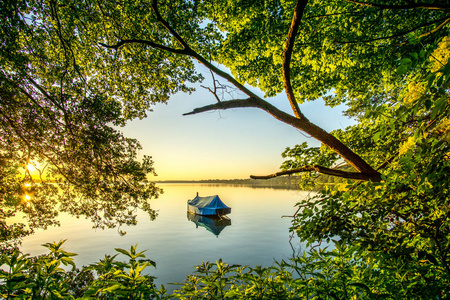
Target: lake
{"points": [[257, 235]]}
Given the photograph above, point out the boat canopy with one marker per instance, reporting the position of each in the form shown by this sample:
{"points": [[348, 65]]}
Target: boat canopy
{"points": [[211, 205]]}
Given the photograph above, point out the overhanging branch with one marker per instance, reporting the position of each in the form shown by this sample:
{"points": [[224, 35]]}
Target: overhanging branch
{"points": [[303, 124], [298, 121], [443, 21], [322, 170], [222, 105], [145, 42], [435, 5]]}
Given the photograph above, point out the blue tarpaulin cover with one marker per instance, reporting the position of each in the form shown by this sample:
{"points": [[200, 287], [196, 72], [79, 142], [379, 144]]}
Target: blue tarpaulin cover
{"points": [[207, 206]]}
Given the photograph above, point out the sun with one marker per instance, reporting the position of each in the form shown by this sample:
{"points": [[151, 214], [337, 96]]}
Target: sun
{"points": [[32, 167]]}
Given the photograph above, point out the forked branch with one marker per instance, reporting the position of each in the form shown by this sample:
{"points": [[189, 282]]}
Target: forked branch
{"points": [[213, 91]]}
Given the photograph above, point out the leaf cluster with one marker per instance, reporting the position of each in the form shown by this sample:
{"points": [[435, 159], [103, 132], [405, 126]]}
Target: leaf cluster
{"points": [[339, 272], [45, 276], [402, 222]]}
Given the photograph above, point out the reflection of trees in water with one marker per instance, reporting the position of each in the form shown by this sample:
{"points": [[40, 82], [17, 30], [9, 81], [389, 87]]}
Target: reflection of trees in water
{"points": [[107, 205], [84, 168]]}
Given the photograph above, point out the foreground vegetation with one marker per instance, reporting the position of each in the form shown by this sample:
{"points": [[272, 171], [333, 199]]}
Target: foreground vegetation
{"points": [[341, 273]]}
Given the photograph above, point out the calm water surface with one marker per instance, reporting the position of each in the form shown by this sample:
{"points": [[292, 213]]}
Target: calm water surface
{"points": [[257, 234]]}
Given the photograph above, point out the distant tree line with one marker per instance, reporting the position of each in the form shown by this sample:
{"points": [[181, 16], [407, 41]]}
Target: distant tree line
{"points": [[291, 182]]}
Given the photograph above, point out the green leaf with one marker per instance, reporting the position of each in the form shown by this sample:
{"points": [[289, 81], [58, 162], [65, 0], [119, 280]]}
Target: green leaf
{"points": [[402, 69]]}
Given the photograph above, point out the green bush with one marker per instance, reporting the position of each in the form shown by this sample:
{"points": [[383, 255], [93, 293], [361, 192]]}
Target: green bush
{"points": [[341, 272]]}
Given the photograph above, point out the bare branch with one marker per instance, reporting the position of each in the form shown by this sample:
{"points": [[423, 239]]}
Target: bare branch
{"points": [[223, 74], [322, 170], [405, 6], [287, 54], [214, 92], [222, 105]]}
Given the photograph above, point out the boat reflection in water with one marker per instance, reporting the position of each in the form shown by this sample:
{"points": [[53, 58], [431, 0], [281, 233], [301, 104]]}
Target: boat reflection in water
{"points": [[214, 224]]}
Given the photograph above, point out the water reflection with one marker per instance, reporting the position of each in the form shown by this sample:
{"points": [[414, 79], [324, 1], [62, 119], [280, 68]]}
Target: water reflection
{"points": [[213, 224], [258, 236]]}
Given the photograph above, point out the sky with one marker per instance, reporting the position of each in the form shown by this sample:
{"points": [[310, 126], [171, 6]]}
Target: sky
{"points": [[226, 144]]}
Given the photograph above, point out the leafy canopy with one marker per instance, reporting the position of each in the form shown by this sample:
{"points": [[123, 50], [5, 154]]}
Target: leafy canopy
{"points": [[72, 69]]}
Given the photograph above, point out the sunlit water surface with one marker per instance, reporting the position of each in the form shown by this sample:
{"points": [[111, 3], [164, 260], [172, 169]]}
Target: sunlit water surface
{"points": [[257, 235]]}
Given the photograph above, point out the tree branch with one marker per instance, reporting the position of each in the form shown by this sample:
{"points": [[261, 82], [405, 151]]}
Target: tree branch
{"points": [[42, 153], [352, 158], [299, 122], [322, 170], [185, 51], [188, 51], [145, 42], [214, 92], [222, 105], [287, 54], [172, 31], [435, 29], [445, 21], [405, 6]]}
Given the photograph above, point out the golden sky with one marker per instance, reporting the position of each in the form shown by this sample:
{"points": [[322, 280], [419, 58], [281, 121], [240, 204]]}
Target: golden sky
{"points": [[222, 144]]}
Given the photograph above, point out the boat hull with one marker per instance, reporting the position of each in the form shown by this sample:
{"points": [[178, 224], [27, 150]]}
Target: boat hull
{"points": [[203, 211]]}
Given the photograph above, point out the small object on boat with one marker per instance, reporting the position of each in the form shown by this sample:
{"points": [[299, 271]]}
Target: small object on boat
{"points": [[207, 206]]}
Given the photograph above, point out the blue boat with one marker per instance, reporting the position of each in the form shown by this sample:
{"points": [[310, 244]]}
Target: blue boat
{"points": [[207, 206]]}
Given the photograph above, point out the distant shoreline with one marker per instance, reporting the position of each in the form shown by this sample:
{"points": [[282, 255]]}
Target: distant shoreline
{"points": [[280, 182]]}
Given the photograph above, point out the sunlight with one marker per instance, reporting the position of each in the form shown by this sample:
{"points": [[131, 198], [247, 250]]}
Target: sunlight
{"points": [[31, 167], [27, 198]]}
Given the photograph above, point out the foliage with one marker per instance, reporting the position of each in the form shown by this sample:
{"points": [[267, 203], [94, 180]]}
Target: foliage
{"points": [[402, 222], [341, 272], [118, 280], [302, 155], [44, 277], [55, 116], [71, 70]]}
